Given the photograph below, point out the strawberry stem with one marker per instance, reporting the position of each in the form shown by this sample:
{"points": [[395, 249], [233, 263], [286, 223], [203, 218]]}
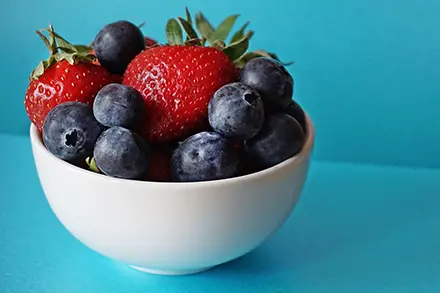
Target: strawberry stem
{"points": [[90, 161], [60, 49], [205, 33]]}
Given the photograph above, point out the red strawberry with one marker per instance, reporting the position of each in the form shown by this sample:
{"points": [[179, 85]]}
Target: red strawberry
{"points": [[65, 76], [177, 83], [160, 169], [150, 42]]}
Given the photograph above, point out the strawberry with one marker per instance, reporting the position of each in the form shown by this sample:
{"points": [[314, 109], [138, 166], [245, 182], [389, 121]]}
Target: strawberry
{"points": [[177, 83], [67, 75], [160, 170], [149, 42], [178, 79]]}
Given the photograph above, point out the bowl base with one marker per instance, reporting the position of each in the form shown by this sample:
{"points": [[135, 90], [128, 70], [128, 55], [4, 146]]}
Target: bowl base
{"points": [[169, 272]]}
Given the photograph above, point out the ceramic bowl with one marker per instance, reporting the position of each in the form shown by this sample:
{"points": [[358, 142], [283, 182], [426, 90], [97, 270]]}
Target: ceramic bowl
{"points": [[171, 228]]}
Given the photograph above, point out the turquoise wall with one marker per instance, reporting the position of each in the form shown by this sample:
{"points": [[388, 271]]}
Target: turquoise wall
{"points": [[368, 72]]}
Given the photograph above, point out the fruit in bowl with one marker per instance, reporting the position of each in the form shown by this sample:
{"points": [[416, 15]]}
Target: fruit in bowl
{"points": [[178, 156]]}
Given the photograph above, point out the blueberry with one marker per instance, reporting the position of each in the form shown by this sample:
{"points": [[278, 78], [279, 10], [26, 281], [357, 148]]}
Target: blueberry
{"points": [[117, 44], [118, 105], [204, 156], [70, 131], [247, 165], [270, 79], [121, 153], [280, 138], [236, 111], [295, 110]]}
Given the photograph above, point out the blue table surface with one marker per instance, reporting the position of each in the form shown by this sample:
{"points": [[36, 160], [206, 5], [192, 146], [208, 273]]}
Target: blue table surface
{"points": [[356, 228]]}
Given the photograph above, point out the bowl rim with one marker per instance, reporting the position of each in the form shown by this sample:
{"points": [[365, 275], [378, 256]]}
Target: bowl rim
{"points": [[37, 144]]}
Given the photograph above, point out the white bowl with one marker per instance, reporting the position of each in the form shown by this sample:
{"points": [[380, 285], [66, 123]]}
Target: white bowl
{"points": [[171, 228]]}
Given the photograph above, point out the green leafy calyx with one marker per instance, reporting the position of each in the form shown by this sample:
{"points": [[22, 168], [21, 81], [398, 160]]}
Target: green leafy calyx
{"points": [[90, 161], [205, 33], [59, 50]]}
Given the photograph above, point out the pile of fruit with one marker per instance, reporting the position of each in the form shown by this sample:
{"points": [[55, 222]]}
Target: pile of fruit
{"points": [[194, 109]]}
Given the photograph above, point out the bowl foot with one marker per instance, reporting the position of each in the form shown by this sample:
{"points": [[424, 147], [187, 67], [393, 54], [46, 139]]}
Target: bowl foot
{"points": [[169, 272]]}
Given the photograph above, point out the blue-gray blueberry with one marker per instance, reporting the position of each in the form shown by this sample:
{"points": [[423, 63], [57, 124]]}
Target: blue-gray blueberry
{"points": [[70, 131], [280, 138], [295, 110], [117, 44], [236, 111], [204, 156], [118, 105], [270, 79], [121, 153]]}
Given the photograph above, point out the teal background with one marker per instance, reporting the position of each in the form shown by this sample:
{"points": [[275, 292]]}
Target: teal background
{"points": [[368, 72]]}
